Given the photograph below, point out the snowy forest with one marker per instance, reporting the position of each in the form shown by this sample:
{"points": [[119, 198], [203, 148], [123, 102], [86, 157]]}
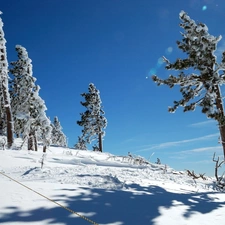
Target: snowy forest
{"points": [[44, 181], [23, 111]]}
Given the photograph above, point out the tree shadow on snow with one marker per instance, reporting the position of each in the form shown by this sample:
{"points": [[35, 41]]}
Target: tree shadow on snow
{"points": [[120, 207]]}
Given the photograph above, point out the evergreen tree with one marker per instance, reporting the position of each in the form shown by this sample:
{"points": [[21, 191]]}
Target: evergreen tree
{"points": [[200, 85], [45, 129], [5, 108], [81, 144], [93, 120], [58, 137], [28, 108]]}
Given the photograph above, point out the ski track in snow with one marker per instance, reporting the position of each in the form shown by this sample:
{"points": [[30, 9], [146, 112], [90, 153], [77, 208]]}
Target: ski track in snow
{"points": [[107, 189]]}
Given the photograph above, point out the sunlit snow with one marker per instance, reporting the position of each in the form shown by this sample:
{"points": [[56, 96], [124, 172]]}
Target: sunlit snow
{"points": [[107, 189]]}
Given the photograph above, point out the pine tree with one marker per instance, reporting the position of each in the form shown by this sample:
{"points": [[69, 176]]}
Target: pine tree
{"points": [[5, 112], [58, 137], [93, 120], [28, 108], [201, 87], [81, 144], [45, 129]]}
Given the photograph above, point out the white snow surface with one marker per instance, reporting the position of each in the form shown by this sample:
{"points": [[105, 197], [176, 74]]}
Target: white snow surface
{"points": [[107, 189]]}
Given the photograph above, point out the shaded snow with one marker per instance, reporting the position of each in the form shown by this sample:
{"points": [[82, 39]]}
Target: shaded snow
{"points": [[108, 189]]}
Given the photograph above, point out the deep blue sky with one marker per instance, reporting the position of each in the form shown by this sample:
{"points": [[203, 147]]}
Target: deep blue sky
{"points": [[117, 45]]}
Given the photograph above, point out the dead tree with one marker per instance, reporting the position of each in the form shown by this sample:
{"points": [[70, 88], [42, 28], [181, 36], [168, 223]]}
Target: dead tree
{"points": [[201, 175], [194, 176], [220, 182]]}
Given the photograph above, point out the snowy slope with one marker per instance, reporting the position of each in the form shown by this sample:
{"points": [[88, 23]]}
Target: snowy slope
{"points": [[107, 189]]}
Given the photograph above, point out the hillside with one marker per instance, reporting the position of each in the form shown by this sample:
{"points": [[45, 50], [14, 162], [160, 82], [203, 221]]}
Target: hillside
{"points": [[106, 189]]}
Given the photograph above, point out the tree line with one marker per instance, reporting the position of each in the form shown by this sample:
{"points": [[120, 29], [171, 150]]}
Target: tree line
{"points": [[23, 111], [200, 77]]}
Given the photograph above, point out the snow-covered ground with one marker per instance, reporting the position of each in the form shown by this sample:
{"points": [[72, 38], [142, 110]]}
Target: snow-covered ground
{"points": [[106, 189]]}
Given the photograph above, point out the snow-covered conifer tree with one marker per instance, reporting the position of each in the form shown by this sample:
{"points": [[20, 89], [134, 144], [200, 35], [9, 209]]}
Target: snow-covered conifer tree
{"points": [[200, 74], [58, 137], [46, 130], [81, 144], [93, 120], [28, 107], [5, 98]]}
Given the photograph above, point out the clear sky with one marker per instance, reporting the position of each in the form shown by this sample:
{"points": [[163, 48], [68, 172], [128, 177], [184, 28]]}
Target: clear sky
{"points": [[117, 45]]}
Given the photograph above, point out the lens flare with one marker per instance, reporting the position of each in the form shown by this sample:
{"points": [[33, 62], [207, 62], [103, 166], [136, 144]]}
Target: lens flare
{"points": [[152, 71], [159, 63], [204, 8], [169, 50]]}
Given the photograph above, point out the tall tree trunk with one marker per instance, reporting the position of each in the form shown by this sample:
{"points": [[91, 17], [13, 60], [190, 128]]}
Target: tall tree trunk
{"points": [[4, 85], [221, 120], [222, 135], [1, 126], [9, 126], [2, 114], [30, 144], [100, 141], [35, 142]]}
